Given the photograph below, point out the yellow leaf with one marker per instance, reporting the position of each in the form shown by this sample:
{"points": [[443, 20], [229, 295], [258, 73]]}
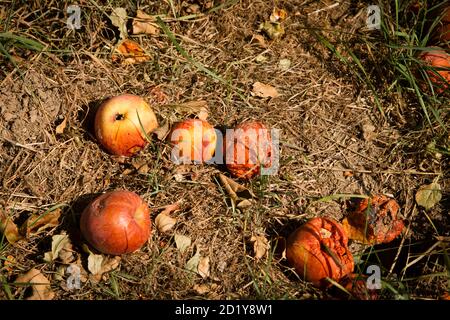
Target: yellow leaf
{"points": [[8, 228]]}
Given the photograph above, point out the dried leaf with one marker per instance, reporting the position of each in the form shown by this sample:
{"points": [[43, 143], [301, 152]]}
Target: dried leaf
{"points": [[129, 52], [272, 30], [203, 267], [162, 131], [9, 263], [61, 248], [280, 249], [164, 223], [261, 41], [118, 19], [39, 283], [240, 195], [284, 64], [260, 246], [145, 24], [182, 242], [192, 264], [198, 108], [278, 15], [368, 131], [429, 195], [8, 228], [264, 90], [201, 288], [38, 223], [99, 265], [60, 127]]}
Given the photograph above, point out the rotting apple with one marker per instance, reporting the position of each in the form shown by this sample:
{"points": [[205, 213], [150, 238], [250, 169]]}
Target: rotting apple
{"points": [[120, 123], [193, 140], [116, 222], [247, 149], [318, 250], [437, 62], [373, 220], [356, 285]]}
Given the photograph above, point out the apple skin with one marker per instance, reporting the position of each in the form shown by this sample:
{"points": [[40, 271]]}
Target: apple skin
{"points": [[306, 251], [193, 140], [116, 222], [117, 125], [250, 148], [438, 59]]}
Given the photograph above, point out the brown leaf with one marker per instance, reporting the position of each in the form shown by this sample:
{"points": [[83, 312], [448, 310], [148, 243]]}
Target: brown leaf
{"points": [[38, 223], [368, 131], [99, 265], [203, 267], [264, 90], [198, 108], [129, 52], [261, 40], [61, 248], [241, 196], [144, 23], [60, 128], [164, 222], [39, 283], [162, 131], [260, 246], [8, 228], [429, 195]]}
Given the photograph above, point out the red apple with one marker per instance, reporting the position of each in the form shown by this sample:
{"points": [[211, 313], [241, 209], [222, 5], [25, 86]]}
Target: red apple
{"points": [[439, 60], [249, 148], [116, 222], [193, 140], [318, 249], [117, 125]]}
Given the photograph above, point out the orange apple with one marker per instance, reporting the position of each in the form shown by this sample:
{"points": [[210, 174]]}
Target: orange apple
{"points": [[248, 149], [439, 61], [117, 125], [193, 140], [116, 222]]}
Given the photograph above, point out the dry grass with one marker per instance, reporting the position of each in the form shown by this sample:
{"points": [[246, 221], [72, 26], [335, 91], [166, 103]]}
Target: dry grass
{"points": [[321, 112]]}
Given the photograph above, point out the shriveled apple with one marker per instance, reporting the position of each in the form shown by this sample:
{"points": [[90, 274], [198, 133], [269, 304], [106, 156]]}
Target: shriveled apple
{"points": [[193, 140], [374, 220], [318, 250], [248, 149], [116, 222], [122, 122]]}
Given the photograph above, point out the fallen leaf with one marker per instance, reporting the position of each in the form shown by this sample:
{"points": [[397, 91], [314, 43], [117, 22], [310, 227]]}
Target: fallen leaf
{"points": [[203, 267], [38, 223], [278, 15], [242, 197], [60, 127], [182, 242], [61, 248], [164, 222], [145, 24], [162, 131], [429, 195], [260, 246], [9, 263], [264, 90], [284, 64], [118, 19], [99, 265], [157, 95], [141, 166], [198, 108], [261, 41], [39, 283], [272, 30], [192, 264], [129, 52], [368, 131], [201, 288], [8, 228]]}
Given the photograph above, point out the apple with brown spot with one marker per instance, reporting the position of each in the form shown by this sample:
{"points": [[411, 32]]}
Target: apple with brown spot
{"points": [[120, 123], [116, 222]]}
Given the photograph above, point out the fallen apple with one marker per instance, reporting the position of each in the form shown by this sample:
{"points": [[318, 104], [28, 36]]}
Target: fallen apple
{"points": [[356, 285], [437, 62], [248, 149], [374, 220], [116, 222], [120, 123], [318, 250], [193, 140]]}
